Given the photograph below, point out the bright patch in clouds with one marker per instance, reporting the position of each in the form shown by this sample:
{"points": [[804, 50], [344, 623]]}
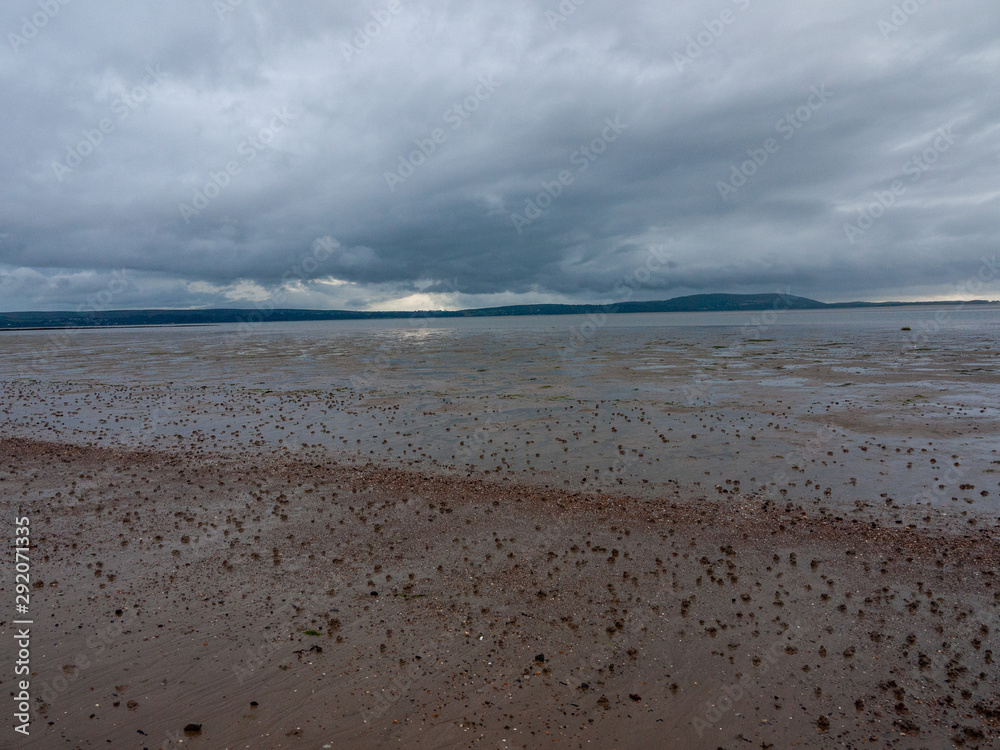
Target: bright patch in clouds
{"points": [[417, 301]]}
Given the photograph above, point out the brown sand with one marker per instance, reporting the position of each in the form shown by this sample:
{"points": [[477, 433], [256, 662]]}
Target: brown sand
{"points": [[283, 603]]}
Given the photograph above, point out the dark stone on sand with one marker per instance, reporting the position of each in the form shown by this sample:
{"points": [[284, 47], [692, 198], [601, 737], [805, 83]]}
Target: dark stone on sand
{"points": [[192, 729], [540, 658]]}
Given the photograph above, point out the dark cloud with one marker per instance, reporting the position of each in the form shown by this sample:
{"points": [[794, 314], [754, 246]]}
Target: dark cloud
{"points": [[473, 153]]}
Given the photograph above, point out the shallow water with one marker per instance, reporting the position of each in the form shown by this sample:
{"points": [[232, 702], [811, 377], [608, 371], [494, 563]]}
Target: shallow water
{"points": [[832, 408]]}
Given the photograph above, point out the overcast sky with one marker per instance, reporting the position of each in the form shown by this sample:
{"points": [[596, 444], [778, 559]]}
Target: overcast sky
{"points": [[416, 154]]}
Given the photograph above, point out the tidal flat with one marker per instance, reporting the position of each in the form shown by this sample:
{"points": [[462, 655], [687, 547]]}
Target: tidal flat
{"points": [[707, 530]]}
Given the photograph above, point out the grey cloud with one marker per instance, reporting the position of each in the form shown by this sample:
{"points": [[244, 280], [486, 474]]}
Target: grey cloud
{"points": [[701, 87]]}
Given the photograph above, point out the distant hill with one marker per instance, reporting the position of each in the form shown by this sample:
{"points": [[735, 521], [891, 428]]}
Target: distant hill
{"points": [[690, 303]]}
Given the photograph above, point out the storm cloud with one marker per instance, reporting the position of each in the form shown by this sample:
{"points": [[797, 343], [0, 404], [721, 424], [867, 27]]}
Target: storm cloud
{"points": [[417, 153]]}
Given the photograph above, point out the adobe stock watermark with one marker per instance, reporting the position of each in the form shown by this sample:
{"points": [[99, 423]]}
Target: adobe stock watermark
{"points": [[224, 7], [256, 658], [787, 127], [455, 116], [914, 168], [393, 685], [101, 300], [364, 35], [248, 149], [701, 387], [93, 138], [581, 158], [657, 259], [385, 699], [369, 377], [759, 324], [561, 14], [581, 668], [731, 694], [988, 273], [98, 646], [59, 340], [32, 26], [816, 446], [714, 28], [297, 273], [900, 16]]}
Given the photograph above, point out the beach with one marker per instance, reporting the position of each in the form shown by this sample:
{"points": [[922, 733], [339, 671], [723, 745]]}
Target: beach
{"points": [[620, 533]]}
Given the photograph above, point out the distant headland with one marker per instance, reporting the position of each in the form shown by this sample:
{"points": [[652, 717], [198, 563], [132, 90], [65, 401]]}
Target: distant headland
{"points": [[211, 316]]}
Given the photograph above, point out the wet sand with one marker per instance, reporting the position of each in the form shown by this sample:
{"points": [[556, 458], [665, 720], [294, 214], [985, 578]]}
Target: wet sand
{"points": [[835, 414], [373, 607], [708, 554]]}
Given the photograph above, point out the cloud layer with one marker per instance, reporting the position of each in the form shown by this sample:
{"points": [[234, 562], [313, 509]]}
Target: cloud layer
{"points": [[472, 153]]}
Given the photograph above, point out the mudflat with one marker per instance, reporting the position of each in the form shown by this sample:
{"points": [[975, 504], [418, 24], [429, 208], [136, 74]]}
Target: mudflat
{"points": [[745, 534], [287, 601]]}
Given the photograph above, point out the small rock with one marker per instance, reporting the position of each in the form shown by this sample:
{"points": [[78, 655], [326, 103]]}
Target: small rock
{"points": [[192, 729]]}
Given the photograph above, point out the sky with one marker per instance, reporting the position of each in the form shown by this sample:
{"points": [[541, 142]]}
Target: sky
{"points": [[439, 154]]}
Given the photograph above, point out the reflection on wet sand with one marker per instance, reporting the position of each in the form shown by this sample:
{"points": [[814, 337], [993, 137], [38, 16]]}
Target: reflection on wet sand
{"points": [[831, 409]]}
